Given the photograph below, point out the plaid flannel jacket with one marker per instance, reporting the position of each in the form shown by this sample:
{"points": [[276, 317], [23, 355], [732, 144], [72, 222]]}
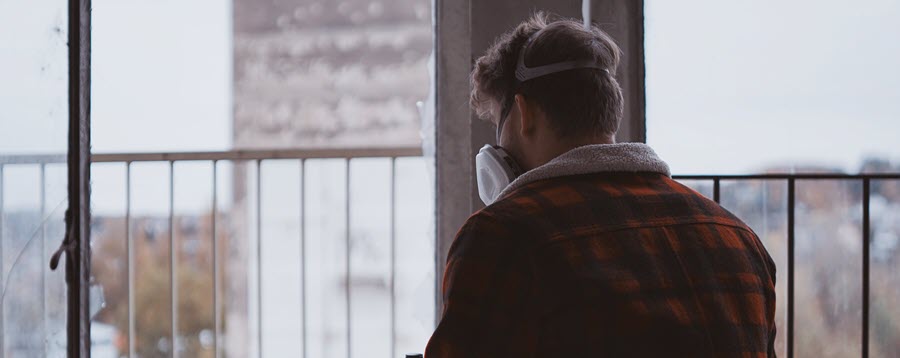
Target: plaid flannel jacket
{"points": [[607, 264]]}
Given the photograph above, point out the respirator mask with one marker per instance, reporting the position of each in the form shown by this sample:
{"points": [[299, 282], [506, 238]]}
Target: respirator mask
{"points": [[495, 169]]}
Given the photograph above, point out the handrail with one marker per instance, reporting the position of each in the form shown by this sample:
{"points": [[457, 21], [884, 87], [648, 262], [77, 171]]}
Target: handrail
{"points": [[791, 180], [240, 154], [798, 176], [369, 152], [32, 159]]}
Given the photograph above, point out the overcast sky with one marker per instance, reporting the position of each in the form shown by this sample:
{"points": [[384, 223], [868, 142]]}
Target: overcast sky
{"points": [[731, 86], [739, 86]]}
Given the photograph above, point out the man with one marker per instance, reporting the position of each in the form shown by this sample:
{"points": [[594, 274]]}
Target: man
{"points": [[592, 250]]}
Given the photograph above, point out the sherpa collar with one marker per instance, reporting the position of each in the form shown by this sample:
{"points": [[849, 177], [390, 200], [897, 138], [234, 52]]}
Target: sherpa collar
{"points": [[595, 158]]}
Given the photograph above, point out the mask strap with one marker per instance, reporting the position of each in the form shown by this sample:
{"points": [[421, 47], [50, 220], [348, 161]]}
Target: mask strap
{"points": [[503, 115], [525, 73]]}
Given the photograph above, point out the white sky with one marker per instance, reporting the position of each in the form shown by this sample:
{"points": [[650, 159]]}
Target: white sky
{"points": [[161, 78], [731, 86], [739, 86]]}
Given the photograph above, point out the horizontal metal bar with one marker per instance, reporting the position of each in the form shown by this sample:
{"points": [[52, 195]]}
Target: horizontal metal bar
{"points": [[324, 153], [810, 176], [377, 152], [32, 158], [250, 154]]}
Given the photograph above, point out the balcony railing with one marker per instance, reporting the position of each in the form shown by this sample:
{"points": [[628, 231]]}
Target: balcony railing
{"points": [[392, 154], [791, 181], [257, 157]]}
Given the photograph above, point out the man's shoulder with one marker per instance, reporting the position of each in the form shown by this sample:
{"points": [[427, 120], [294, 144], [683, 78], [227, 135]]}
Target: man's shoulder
{"points": [[609, 200], [581, 187]]}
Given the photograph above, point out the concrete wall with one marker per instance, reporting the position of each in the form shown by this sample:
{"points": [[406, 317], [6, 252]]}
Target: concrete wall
{"points": [[465, 29], [624, 21]]}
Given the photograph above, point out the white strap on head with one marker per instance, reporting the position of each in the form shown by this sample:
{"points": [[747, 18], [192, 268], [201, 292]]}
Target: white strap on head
{"points": [[525, 73]]}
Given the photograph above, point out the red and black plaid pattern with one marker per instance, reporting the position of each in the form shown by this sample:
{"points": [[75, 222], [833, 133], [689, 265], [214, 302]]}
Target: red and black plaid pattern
{"points": [[606, 265]]}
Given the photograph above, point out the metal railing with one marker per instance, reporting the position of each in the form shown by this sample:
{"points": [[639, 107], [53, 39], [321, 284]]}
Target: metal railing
{"points": [[257, 156], [791, 179]]}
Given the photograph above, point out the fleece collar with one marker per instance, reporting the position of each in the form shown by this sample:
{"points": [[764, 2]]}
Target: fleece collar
{"points": [[595, 158]]}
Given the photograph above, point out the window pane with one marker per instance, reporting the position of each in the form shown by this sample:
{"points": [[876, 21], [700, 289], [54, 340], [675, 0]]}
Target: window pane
{"points": [[273, 75], [33, 199]]}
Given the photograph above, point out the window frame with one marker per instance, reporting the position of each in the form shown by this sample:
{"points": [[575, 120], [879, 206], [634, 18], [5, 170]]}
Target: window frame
{"points": [[76, 244]]}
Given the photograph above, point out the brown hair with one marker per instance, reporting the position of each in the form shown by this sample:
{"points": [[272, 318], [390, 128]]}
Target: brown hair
{"points": [[577, 102]]}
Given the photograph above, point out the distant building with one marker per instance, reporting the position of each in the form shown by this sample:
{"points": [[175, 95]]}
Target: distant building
{"points": [[314, 74], [319, 74]]}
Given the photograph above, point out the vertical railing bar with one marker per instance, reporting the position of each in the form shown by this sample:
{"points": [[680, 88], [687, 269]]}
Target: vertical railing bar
{"points": [[259, 247], [173, 274], [717, 196], [43, 208], [790, 266], [347, 251], [129, 258], [217, 352], [865, 268], [393, 238], [303, 253], [2, 271]]}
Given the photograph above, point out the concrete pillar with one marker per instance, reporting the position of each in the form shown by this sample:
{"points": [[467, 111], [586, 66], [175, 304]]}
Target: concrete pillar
{"points": [[465, 29], [454, 177], [624, 21]]}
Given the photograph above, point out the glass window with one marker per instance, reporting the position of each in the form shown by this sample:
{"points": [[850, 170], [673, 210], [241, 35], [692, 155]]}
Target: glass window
{"points": [[33, 199], [274, 76]]}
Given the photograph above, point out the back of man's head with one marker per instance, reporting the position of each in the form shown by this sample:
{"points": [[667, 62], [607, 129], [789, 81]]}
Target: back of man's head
{"points": [[578, 102]]}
